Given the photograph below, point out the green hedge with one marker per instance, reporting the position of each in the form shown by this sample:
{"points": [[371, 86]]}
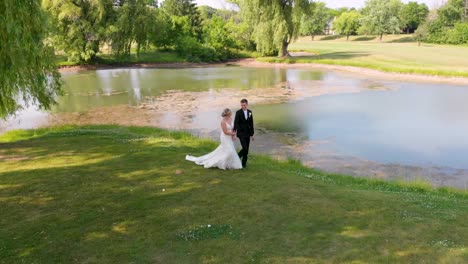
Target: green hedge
{"points": [[440, 34]]}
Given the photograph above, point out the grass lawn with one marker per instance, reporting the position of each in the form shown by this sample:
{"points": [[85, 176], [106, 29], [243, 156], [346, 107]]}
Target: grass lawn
{"points": [[109, 194], [395, 54]]}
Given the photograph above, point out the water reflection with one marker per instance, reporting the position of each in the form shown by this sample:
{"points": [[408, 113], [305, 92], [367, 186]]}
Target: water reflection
{"points": [[130, 86], [28, 118]]}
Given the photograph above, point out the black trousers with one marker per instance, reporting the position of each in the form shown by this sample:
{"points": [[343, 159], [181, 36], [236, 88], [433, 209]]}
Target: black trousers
{"points": [[243, 154]]}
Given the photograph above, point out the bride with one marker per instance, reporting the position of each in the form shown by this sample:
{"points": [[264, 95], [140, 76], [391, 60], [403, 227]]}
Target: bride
{"points": [[225, 155]]}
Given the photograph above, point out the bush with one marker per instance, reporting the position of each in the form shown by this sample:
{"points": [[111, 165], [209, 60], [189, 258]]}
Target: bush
{"points": [[438, 32], [194, 51], [217, 36], [216, 46], [241, 32], [459, 34]]}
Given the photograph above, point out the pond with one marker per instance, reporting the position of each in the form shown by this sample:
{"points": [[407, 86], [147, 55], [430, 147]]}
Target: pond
{"points": [[335, 121]]}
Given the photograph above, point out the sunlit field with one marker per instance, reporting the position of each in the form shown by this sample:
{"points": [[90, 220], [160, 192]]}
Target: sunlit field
{"points": [[398, 53], [109, 194]]}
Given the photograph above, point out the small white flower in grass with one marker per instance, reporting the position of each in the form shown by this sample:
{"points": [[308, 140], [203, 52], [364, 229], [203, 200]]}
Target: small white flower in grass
{"points": [[163, 190], [209, 225]]}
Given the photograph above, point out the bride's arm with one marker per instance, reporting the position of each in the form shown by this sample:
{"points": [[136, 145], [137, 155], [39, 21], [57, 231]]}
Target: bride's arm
{"points": [[225, 130]]}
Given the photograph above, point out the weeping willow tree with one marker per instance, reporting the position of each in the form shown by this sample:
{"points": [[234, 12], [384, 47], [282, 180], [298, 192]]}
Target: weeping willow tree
{"points": [[135, 22], [79, 27], [27, 69], [275, 23]]}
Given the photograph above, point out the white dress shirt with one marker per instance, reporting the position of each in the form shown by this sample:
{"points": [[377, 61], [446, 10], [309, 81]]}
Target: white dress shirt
{"points": [[245, 114]]}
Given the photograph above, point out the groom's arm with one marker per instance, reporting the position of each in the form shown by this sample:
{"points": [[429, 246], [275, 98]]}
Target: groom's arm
{"points": [[251, 125], [236, 121]]}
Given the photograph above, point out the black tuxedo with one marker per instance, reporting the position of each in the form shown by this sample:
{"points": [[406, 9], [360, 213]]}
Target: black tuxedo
{"points": [[245, 129]]}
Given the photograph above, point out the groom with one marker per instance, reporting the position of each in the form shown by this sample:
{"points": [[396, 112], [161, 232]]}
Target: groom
{"points": [[243, 125]]}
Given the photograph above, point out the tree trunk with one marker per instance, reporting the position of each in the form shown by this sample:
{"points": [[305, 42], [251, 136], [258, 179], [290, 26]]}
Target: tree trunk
{"points": [[128, 49], [381, 35], [347, 37], [284, 49], [466, 11], [313, 37], [83, 51]]}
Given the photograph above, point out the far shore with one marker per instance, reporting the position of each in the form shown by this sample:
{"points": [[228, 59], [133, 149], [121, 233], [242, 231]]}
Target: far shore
{"points": [[250, 62]]}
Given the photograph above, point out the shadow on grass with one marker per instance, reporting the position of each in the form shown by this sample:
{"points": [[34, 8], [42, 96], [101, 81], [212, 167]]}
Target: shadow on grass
{"points": [[324, 56], [342, 55], [332, 37], [365, 38], [403, 40]]}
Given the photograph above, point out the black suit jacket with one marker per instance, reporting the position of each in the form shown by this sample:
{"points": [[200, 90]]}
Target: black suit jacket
{"points": [[244, 127]]}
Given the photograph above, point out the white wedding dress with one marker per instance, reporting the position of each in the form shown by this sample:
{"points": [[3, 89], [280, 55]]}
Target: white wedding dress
{"points": [[223, 157]]}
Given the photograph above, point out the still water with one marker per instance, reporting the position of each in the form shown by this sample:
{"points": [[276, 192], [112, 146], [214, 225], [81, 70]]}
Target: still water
{"points": [[337, 121], [411, 124], [130, 86]]}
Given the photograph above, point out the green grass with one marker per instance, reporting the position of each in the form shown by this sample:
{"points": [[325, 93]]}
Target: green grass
{"points": [[398, 54], [109, 194]]}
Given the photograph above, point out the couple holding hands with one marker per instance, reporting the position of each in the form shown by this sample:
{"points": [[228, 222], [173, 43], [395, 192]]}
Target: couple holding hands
{"points": [[225, 155]]}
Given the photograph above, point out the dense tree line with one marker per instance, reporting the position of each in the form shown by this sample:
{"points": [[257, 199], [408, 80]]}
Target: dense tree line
{"points": [[82, 28], [448, 24], [377, 17]]}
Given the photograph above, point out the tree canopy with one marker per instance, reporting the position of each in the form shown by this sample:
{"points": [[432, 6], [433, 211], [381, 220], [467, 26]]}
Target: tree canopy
{"points": [[134, 22], [449, 24], [315, 20], [79, 26], [186, 8], [412, 15], [381, 17], [454, 11], [27, 67], [347, 23], [277, 22]]}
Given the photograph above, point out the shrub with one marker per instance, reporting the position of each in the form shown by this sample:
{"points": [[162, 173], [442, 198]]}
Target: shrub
{"points": [[437, 32], [194, 51], [459, 34]]}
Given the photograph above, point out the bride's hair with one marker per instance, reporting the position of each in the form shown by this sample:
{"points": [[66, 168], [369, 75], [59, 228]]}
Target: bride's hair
{"points": [[226, 112]]}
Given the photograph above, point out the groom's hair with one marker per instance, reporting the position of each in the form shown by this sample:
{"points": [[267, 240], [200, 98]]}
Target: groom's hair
{"points": [[244, 101]]}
